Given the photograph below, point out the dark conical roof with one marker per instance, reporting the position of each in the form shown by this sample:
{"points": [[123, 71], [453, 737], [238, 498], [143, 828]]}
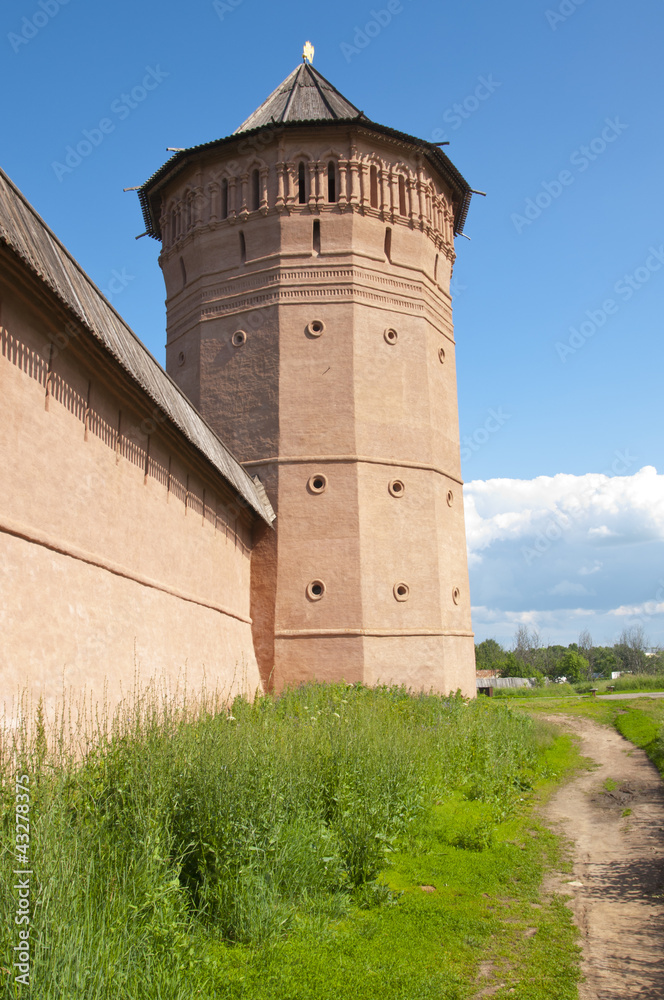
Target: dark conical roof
{"points": [[304, 96]]}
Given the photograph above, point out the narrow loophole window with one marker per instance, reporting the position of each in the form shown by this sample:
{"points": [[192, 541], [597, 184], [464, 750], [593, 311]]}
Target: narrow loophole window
{"points": [[224, 199], [316, 237], [243, 249], [373, 187], [255, 191], [331, 182], [183, 272], [402, 196], [435, 269], [388, 244], [301, 186]]}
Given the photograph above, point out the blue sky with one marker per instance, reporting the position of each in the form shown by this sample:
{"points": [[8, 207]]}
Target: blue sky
{"points": [[554, 109]]}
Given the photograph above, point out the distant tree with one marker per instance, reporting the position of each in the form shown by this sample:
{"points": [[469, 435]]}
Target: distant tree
{"points": [[489, 654], [521, 642], [512, 666], [631, 649], [548, 658], [585, 648], [573, 666], [585, 641], [656, 662], [605, 661], [526, 648]]}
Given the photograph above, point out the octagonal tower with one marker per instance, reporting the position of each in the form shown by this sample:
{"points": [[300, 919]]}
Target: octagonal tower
{"points": [[307, 260]]}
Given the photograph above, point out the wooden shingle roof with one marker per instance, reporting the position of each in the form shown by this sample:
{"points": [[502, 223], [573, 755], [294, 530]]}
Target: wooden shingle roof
{"points": [[304, 99], [304, 96]]}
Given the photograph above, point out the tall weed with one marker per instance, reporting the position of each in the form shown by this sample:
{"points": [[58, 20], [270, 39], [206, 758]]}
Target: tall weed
{"points": [[175, 821]]}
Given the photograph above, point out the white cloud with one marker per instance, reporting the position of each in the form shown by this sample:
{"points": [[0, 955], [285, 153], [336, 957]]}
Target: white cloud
{"points": [[589, 570], [512, 509], [647, 609], [567, 589], [602, 532], [529, 539]]}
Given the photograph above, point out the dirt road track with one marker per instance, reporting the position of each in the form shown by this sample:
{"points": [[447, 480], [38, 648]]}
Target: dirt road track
{"points": [[619, 861]]}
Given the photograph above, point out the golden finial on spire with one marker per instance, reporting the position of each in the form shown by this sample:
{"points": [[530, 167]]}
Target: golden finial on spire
{"points": [[308, 52]]}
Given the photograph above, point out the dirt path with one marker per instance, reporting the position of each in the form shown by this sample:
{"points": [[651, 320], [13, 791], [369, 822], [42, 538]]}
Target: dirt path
{"points": [[614, 816]]}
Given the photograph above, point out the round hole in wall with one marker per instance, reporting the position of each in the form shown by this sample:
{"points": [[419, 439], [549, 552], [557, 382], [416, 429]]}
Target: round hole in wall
{"points": [[181, 358], [315, 590], [456, 595], [391, 335], [396, 488], [450, 498], [317, 483], [315, 328], [401, 591], [441, 355], [239, 338]]}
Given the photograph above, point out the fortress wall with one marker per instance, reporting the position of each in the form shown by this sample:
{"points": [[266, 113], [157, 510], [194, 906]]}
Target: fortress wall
{"points": [[318, 657], [436, 663], [74, 626], [120, 546]]}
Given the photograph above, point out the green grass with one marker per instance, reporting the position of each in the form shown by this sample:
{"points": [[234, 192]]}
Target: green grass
{"points": [[635, 682], [278, 851], [546, 691], [631, 683], [485, 870], [639, 720], [644, 726]]}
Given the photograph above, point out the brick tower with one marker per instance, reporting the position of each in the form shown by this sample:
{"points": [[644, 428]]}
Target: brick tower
{"points": [[307, 259]]}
